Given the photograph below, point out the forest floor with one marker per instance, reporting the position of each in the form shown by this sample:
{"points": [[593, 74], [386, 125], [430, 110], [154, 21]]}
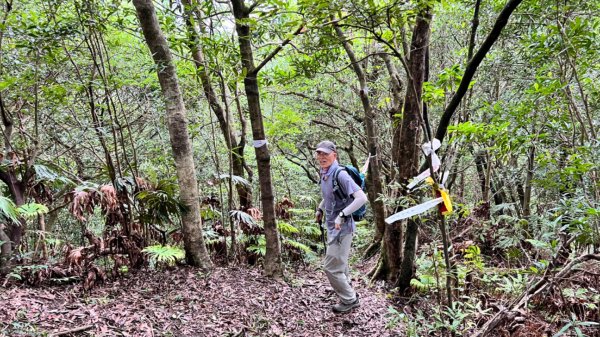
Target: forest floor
{"points": [[229, 301]]}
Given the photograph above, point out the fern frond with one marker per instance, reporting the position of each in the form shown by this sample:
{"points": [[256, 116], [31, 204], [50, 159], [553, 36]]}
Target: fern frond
{"points": [[303, 211], [286, 228], [310, 230], [304, 248]]}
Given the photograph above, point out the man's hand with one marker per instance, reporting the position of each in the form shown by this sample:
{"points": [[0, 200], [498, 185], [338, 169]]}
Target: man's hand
{"points": [[319, 215], [338, 222], [340, 219]]}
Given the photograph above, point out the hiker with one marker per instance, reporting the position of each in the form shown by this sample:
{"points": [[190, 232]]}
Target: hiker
{"points": [[338, 209]]}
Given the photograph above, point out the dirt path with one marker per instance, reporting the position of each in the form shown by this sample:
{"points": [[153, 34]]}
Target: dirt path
{"points": [[184, 302]]}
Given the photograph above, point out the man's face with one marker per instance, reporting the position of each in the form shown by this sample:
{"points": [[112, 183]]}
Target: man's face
{"points": [[326, 159]]}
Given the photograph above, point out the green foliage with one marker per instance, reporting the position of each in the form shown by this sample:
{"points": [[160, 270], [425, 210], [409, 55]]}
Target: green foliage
{"points": [[8, 209], [45, 173], [286, 229], [576, 325], [32, 210], [160, 206], [430, 272], [241, 216], [302, 247], [473, 258], [236, 180], [260, 247], [424, 283], [167, 255], [512, 285]]}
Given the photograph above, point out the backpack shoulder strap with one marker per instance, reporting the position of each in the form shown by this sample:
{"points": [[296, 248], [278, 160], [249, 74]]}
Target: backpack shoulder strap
{"points": [[337, 189]]}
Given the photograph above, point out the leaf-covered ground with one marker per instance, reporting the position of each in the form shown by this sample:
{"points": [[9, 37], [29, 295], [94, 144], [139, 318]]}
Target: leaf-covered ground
{"points": [[230, 301]]}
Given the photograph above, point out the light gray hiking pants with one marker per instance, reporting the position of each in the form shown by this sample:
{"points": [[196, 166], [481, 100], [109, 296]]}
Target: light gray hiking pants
{"points": [[336, 267]]}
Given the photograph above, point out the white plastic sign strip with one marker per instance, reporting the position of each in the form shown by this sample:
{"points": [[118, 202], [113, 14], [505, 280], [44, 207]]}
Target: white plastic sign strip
{"points": [[407, 213]]}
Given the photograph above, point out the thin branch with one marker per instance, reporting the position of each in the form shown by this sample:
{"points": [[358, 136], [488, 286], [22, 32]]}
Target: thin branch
{"points": [[319, 100], [74, 330], [298, 31], [253, 6], [325, 124]]}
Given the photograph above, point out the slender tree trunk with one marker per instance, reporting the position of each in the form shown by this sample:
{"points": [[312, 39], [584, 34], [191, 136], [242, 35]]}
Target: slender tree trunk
{"points": [[14, 231], [273, 265], [374, 176], [196, 253], [236, 148], [472, 66], [397, 90], [528, 178], [481, 166], [5, 250]]}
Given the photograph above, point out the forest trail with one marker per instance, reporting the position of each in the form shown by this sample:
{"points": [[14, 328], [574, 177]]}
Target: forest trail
{"points": [[233, 301]]}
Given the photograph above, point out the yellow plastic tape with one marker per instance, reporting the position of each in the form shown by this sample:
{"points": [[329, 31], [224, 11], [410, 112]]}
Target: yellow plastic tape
{"points": [[447, 202]]}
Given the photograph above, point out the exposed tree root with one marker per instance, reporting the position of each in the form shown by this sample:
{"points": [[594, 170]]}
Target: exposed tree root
{"points": [[373, 248]]}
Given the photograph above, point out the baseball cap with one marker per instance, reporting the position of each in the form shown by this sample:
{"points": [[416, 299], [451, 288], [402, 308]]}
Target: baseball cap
{"points": [[326, 146]]}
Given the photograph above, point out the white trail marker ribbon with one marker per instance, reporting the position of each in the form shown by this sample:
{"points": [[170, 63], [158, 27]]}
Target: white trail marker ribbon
{"points": [[428, 148], [259, 143]]}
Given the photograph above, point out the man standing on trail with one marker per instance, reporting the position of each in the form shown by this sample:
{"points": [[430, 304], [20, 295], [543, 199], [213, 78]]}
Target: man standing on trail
{"points": [[340, 225]]}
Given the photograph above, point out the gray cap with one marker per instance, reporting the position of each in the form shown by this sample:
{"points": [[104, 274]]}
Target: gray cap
{"points": [[326, 146]]}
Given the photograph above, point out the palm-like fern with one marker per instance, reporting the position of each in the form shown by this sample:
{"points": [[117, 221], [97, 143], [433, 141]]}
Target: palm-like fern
{"points": [[160, 205], [32, 210], [237, 180], [164, 254]]}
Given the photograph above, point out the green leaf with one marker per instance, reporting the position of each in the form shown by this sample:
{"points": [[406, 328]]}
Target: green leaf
{"points": [[8, 209], [260, 247]]}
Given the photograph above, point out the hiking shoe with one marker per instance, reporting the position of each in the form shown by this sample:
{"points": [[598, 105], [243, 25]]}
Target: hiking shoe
{"points": [[343, 307]]}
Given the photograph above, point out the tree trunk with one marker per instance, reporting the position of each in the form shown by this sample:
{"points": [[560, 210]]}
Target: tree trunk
{"points": [[273, 265], [374, 176], [410, 138], [196, 253]]}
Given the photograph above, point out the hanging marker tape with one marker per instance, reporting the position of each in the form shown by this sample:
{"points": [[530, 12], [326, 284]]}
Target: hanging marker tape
{"points": [[407, 213]]}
